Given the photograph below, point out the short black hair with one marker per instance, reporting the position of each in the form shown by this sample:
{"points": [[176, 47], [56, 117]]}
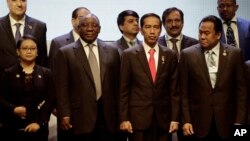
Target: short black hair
{"points": [[25, 37], [123, 14], [168, 11], [149, 15], [74, 13], [215, 20]]}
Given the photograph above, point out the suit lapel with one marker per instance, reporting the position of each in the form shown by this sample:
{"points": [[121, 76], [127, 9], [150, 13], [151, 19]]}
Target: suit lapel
{"points": [[29, 25], [161, 63], [102, 58], [223, 53], [82, 57], [123, 44], [201, 61], [7, 28], [240, 32], [144, 61]]}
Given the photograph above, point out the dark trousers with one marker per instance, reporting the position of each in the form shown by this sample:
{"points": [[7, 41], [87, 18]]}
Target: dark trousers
{"points": [[153, 133], [100, 132]]}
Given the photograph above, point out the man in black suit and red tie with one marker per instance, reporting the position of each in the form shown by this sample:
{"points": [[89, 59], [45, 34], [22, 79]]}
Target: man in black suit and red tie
{"points": [[212, 85], [149, 104], [26, 25]]}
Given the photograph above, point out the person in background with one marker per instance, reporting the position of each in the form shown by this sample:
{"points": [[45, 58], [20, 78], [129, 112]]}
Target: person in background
{"points": [[173, 22], [67, 38], [87, 78], [26, 95], [212, 85], [13, 26], [236, 30], [149, 103], [128, 24]]}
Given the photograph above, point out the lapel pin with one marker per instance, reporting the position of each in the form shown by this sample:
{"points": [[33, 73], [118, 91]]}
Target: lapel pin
{"points": [[224, 53], [29, 26], [162, 59], [39, 76], [17, 75]]}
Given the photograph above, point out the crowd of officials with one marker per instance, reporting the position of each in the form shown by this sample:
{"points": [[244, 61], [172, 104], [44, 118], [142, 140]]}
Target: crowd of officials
{"points": [[128, 89]]}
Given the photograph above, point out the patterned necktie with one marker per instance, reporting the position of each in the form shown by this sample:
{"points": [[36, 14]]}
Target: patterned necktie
{"points": [[211, 67], [230, 34], [18, 33], [95, 71], [151, 63], [173, 40]]}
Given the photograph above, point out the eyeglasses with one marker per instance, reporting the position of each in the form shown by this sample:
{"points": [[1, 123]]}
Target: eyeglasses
{"points": [[228, 5], [28, 49]]}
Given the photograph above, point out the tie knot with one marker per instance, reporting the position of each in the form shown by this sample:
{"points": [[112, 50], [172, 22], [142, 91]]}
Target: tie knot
{"points": [[173, 40], [151, 52], [228, 23], [132, 43], [18, 25], [91, 46]]}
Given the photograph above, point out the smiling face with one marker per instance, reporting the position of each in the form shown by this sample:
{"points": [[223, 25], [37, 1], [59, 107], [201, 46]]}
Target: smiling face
{"points": [[17, 8], [89, 28]]}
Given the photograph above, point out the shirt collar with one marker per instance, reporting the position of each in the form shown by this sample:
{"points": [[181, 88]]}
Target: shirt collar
{"points": [[85, 44], [128, 40], [168, 37], [216, 49], [234, 19], [147, 47], [75, 35], [13, 21]]}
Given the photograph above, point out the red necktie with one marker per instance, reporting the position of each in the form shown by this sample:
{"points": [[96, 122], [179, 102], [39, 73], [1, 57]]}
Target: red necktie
{"points": [[151, 63]]}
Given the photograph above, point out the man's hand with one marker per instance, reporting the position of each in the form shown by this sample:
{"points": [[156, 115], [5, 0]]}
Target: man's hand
{"points": [[126, 126]]}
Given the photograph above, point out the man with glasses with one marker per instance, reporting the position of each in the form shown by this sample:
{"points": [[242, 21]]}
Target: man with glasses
{"points": [[236, 30]]}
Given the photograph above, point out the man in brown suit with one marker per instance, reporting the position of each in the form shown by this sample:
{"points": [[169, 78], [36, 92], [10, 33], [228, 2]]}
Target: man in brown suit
{"points": [[213, 87]]}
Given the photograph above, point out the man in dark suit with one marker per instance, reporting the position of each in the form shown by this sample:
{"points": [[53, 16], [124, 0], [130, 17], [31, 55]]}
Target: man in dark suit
{"points": [[28, 25], [59, 42], [173, 21], [148, 100], [127, 22], [241, 27], [68, 38], [212, 85], [88, 106]]}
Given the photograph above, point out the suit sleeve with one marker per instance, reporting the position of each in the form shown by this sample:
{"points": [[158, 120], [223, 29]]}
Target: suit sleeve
{"points": [[125, 80]]}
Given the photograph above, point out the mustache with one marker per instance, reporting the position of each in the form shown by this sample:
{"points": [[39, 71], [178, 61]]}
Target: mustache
{"points": [[174, 27]]}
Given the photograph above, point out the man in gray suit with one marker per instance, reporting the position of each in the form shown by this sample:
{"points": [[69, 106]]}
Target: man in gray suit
{"points": [[68, 38], [128, 24], [27, 25], [173, 22], [86, 77], [213, 88]]}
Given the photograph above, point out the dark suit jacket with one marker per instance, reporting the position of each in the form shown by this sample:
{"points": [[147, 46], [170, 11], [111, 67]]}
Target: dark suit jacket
{"points": [[57, 43], [15, 92], [186, 41], [248, 86], [8, 55], [226, 102], [121, 44], [75, 89], [244, 37], [140, 98]]}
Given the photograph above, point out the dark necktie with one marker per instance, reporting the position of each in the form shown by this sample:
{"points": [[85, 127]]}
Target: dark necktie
{"points": [[18, 33], [132, 43], [173, 40], [211, 67], [95, 71], [151, 63], [230, 34]]}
